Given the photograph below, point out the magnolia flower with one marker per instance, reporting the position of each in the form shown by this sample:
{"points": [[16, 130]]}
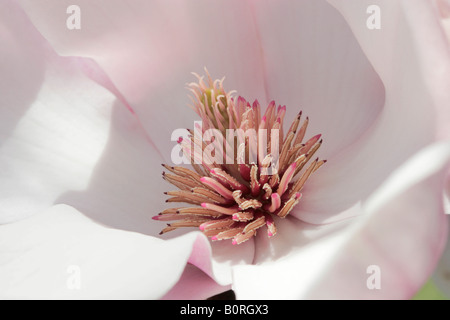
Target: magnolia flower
{"points": [[87, 117]]}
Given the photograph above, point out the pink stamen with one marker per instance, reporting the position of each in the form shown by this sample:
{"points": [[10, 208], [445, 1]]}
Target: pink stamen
{"points": [[244, 170], [220, 209], [275, 204], [217, 186], [226, 179], [281, 113], [311, 142], [287, 176]]}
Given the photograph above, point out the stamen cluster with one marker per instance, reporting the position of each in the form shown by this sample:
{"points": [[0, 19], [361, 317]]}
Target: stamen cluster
{"points": [[233, 198]]}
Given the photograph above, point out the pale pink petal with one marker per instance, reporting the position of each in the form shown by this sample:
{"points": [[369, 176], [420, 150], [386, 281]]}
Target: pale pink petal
{"points": [[149, 49], [54, 121], [401, 231], [217, 259], [314, 63], [411, 57], [61, 254], [268, 60], [76, 143], [409, 51], [194, 284], [209, 268], [65, 139], [334, 189], [443, 8]]}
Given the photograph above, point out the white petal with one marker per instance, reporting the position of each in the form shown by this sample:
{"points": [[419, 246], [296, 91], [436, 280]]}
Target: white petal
{"points": [[65, 139], [61, 254], [444, 10], [150, 48], [411, 57], [447, 196], [315, 64], [54, 121], [217, 259], [409, 51], [401, 231]]}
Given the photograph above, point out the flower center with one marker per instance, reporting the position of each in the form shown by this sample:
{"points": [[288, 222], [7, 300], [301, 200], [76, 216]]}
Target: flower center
{"points": [[232, 194]]}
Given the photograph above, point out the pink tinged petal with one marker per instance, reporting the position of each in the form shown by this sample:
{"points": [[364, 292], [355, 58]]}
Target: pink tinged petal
{"points": [[341, 93], [217, 259], [154, 42], [412, 61], [90, 68], [292, 257], [61, 254], [443, 7], [55, 122], [417, 24], [402, 232], [447, 195], [68, 140], [194, 284], [406, 229]]}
